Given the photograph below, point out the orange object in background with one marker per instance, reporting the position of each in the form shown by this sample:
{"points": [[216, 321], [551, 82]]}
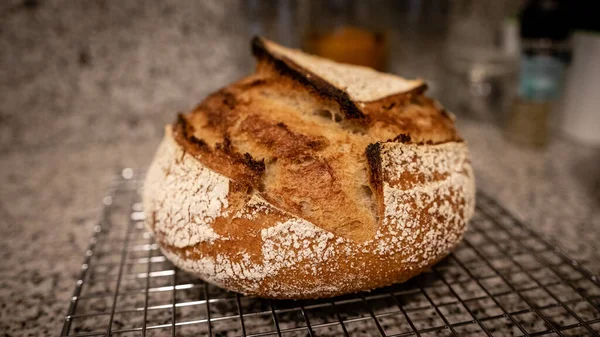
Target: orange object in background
{"points": [[349, 44]]}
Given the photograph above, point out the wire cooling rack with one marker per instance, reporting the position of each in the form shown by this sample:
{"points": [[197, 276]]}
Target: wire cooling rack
{"points": [[502, 280]]}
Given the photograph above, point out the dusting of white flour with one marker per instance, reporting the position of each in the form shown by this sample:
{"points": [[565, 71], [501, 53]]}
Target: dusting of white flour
{"points": [[186, 197]]}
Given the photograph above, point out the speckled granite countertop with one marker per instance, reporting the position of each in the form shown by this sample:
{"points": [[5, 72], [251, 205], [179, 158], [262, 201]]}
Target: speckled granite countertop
{"points": [[82, 98]]}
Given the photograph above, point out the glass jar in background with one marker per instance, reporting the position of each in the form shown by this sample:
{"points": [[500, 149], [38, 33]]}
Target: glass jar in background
{"points": [[545, 53], [349, 31], [481, 58]]}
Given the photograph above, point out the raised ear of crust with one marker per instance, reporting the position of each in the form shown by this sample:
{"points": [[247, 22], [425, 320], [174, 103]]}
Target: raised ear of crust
{"points": [[351, 86], [268, 58]]}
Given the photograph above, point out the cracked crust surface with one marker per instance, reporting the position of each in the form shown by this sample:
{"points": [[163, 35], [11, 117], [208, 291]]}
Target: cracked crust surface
{"points": [[303, 181]]}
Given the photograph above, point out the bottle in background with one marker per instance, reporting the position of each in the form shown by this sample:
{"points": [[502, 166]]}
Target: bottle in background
{"points": [[545, 51]]}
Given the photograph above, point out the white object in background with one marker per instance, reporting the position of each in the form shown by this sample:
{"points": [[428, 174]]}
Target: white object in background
{"points": [[510, 37], [581, 105]]}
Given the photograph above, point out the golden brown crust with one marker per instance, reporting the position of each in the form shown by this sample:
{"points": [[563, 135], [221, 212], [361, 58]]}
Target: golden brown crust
{"points": [[222, 158], [276, 120], [287, 164]]}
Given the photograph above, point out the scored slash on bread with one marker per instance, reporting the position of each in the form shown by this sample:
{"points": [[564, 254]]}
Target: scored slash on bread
{"points": [[310, 178]]}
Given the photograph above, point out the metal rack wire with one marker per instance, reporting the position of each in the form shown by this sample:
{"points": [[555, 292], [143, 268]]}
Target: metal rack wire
{"points": [[503, 280]]}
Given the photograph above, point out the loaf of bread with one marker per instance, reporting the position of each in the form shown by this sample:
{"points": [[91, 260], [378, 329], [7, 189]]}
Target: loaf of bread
{"points": [[308, 179]]}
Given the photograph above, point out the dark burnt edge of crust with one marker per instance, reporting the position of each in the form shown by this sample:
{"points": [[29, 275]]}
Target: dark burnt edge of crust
{"points": [[246, 159], [375, 174], [373, 154], [183, 133], [405, 139], [287, 67], [401, 138]]}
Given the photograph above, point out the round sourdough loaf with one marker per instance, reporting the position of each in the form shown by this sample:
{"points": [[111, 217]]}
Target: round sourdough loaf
{"points": [[310, 179]]}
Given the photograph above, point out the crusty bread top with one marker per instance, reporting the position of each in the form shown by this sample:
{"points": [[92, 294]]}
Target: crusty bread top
{"points": [[305, 134], [362, 84]]}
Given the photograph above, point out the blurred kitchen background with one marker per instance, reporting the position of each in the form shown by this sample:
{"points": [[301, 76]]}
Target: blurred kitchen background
{"points": [[123, 67], [87, 86]]}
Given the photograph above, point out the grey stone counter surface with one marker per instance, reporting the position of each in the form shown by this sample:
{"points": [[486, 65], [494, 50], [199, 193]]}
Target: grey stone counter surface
{"points": [[85, 88]]}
